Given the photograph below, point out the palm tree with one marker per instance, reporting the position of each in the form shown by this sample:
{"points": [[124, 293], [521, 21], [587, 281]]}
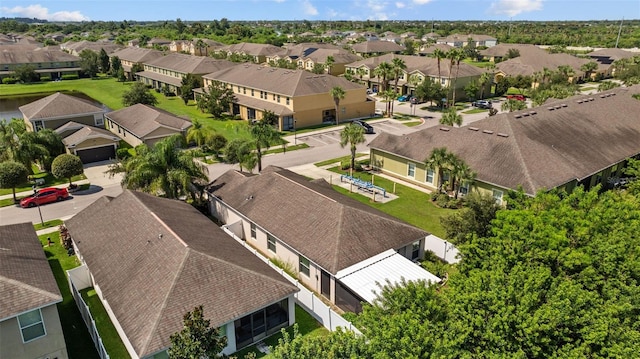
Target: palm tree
{"points": [[166, 169], [397, 68], [338, 94], [483, 80], [383, 71], [458, 56], [513, 105], [52, 141], [264, 135], [352, 135], [197, 133], [328, 63], [460, 173], [439, 55], [200, 44], [29, 150], [588, 68], [451, 117], [438, 160], [361, 72]]}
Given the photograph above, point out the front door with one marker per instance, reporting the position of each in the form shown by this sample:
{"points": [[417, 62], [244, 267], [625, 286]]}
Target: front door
{"points": [[325, 285]]}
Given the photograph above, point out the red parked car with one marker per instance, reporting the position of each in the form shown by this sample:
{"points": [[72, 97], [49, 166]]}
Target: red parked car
{"points": [[516, 97], [43, 196]]}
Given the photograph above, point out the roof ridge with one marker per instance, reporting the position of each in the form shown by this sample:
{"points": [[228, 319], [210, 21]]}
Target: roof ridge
{"points": [[336, 255], [527, 174], [30, 287]]}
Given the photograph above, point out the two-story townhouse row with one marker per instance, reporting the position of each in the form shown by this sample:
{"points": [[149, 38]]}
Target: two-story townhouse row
{"points": [[130, 56], [578, 141], [338, 246], [203, 47], [76, 47], [462, 40], [46, 61], [376, 48], [418, 68], [307, 56], [299, 98], [170, 69], [258, 52]]}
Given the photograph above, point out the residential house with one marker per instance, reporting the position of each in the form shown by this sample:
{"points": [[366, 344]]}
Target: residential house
{"points": [[130, 56], [151, 260], [430, 37], [170, 69], [55, 110], [76, 47], [418, 67], [158, 42], [427, 50], [308, 55], [179, 45], [501, 51], [376, 48], [299, 98], [329, 239], [205, 48], [606, 57], [258, 52], [91, 144], [45, 61], [29, 321], [578, 141], [462, 40], [146, 124]]}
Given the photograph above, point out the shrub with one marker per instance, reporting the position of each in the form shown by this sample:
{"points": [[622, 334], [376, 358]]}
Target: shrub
{"points": [[45, 78], [66, 166], [70, 77], [434, 195], [442, 200], [9, 80], [123, 153]]}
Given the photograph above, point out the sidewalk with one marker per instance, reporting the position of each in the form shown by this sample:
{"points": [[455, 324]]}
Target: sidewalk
{"points": [[28, 193]]}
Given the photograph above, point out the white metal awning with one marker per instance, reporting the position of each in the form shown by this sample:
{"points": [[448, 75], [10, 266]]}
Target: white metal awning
{"points": [[362, 277]]}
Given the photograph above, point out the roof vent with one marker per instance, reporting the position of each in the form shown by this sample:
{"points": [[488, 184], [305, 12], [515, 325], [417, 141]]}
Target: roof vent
{"points": [[579, 101], [550, 108], [564, 105], [517, 116], [502, 134], [532, 113], [557, 107], [488, 132], [473, 128], [602, 96], [525, 114], [444, 129], [591, 99]]}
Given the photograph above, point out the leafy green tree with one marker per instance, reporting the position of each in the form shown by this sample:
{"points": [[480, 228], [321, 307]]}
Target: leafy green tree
{"points": [[588, 68], [52, 142], [89, 62], [512, 53], [12, 174], [240, 151], [352, 135], [513, 105], [216, 142], [270, 118], [475, 219], [197, 133], [607, 85], [187, 84], [318, 68], [105, 62], [337, 93], [264, 136], [451, 117], [338, 344], [502, 85], [482, 81], [66, 166], [216, 99], [135, 68], [139, 93], [165, 169], [471, 89], [116, 66], [328, 63], [197, 339], [25, 73]]}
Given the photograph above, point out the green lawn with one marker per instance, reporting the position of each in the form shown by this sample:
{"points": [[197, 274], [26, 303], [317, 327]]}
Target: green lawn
{"points": [[47, 224], [307, 326], [289, 148], [109, 92], [474, 110], [76, 335], [411, 206], [49, 180], [110, 338], [480, 64], [412, 123], [339, 159]]}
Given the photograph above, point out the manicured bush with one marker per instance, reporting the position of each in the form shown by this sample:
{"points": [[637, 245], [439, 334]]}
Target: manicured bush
{"points": [[9, 80], [70, 77], [66, 166], [123, 153], [45, 78]]}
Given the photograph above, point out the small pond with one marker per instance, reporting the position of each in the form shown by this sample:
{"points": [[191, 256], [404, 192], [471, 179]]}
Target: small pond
{"points": [[9, 105]]}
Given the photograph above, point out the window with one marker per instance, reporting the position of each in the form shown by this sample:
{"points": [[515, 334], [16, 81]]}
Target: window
{"points": [[287, 101], [304, 266], [38, 125], [31, 325], [244, 90], [253, 231], [278, 98], [464, 188], [274, 97], [271, 243], [497, 195], [415, 250], [411, 172], [252, 93], [430, 175], [99, 121]]}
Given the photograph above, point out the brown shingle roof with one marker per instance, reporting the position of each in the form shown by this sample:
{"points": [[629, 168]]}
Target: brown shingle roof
{"points": [[531, 61], [281, 81], [83, 132], [142, 119], [136, 54], [374, 46], [325, 226], [542, 150], [252, 49], [57, 105], [16, 54], [190, 64], [426, 65], [156, 259], [26, 280]]}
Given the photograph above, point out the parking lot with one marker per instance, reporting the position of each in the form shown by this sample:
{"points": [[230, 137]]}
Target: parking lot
{"points": [[333, 137]]}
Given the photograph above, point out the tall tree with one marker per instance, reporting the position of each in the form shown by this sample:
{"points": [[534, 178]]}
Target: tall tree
{"points": [[337, 93], [438, 160], [198, 133], [589, 68], [89, 62], [352, 135], [116, 66], [187, 84], [264, 136], [329, 63], [398, 67], [216, 99], [439, 55], [475, 219], [105, 62], [240, 151], [513, 105], [138, 93], [482, 81], [197, 339], [451, 117], [12, 174]]}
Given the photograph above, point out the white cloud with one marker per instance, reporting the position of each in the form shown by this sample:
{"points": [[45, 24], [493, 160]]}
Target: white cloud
{"points": [[279, 1], [421, 2], [308, 8], [400, 5], [40, 12], [514, 7]]}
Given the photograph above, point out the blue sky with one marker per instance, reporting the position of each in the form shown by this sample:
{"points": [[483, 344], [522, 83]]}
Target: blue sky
{"points": [[117, 10]]}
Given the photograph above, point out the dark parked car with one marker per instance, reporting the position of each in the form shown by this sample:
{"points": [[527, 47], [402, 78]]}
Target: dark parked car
{"points": [[43, 196], [481, 104], [368, 129]]}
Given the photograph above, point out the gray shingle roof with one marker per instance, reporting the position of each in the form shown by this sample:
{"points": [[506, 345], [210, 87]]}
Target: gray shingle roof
{"points": [[281, 81], [252, 49], [16, 54], [542, 150], [26, 280], [155, 259], [426, 65], [325, 226], [136, 54], [142, 119], [533, 59], [376, 46], [78, 133], [57, 105], [183, 63]]}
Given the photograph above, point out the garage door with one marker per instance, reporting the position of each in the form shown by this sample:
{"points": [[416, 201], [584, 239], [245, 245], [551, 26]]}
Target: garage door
{"points": [[97, 154]]}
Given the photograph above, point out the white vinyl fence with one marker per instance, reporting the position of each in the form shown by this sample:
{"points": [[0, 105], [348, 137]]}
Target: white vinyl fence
{"points": [[441, 248], [305, 298], [79, 275]]}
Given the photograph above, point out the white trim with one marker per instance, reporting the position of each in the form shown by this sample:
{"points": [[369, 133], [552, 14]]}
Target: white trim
{"points": [[30, 310], [44, 328]]}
